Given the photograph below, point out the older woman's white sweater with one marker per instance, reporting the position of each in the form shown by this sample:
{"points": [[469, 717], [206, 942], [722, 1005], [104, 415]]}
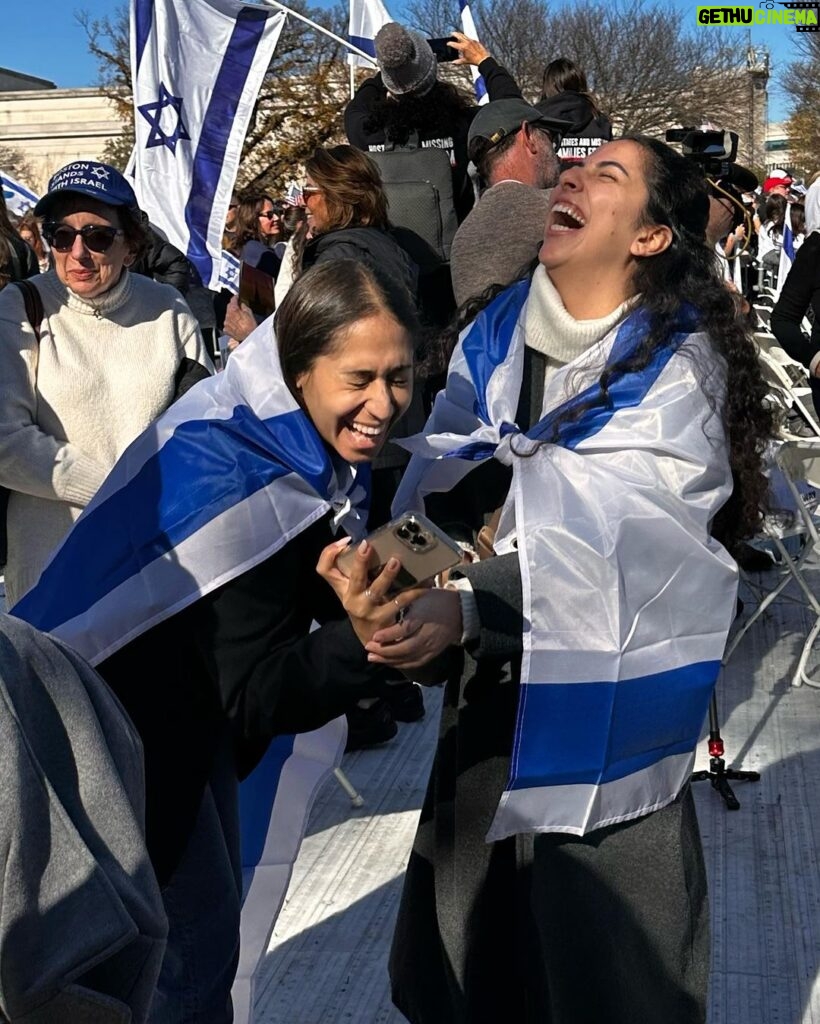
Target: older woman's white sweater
{"points": [[71, 404]]}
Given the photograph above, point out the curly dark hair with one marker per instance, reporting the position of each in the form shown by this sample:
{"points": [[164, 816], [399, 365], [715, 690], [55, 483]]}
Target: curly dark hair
{"points": [[685, 277], [435, 113]]}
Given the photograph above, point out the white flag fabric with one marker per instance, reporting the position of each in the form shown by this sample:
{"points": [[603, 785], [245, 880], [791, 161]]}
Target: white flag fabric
{"points": [[197, 68], [366, 18], [627, 598], [242, 471], [19, 199], [469, 29]]}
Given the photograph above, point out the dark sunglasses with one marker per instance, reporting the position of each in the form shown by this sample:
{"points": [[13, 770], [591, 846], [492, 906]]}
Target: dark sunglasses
{"points": [[310, 190], [96, 237], [270, 214]]}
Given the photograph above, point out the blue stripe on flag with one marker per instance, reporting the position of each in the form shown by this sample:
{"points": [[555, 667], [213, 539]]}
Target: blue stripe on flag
{"points": [[788, 241], [488, 343], [368, 45], [480, 88], [238, 457], [625, 392], [216, 130], [587, 733], [256, 796], [143, 17]]}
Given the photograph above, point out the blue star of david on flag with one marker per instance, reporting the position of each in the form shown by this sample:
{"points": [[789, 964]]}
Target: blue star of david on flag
{"points": [[152, 112], [229, 272]]}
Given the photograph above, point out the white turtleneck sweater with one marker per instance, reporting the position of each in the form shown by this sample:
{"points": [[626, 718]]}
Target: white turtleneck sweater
{"points": [[69, 406], [552, 331]]}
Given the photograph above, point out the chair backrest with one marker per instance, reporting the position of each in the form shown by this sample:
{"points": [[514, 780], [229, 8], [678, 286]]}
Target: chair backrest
{"points": [[788, 383], [799, 462]]}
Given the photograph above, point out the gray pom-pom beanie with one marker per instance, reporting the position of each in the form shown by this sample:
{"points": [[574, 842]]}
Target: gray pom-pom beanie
{"points": [[407, 63]]}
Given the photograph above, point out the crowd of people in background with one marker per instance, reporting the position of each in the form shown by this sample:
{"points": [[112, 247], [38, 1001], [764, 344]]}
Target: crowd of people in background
{"points": [[535, 201]]}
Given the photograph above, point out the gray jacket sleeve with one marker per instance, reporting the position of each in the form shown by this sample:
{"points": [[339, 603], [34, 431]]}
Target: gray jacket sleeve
{"points": [[496, 584]]}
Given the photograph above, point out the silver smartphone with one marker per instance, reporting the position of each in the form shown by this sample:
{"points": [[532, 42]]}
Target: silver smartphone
{"points": [[422, 548]]}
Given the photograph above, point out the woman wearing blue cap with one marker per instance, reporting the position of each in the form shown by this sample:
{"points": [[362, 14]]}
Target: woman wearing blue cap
{"points": [[91, 355]]}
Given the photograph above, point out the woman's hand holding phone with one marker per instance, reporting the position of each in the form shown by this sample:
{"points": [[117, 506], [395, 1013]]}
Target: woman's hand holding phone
{"points": [[366, 601], [431, 624]]}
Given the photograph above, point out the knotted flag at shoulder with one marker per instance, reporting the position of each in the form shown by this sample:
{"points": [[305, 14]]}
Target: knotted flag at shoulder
{"points": [[197, 69], [627, 599]]}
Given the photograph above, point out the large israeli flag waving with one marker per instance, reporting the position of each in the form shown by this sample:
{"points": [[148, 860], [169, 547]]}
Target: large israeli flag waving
{"points": [[197, 68], [366, 18]]}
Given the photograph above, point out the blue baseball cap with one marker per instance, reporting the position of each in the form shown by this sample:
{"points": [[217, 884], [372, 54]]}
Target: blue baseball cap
{"points": [[88, 178]]}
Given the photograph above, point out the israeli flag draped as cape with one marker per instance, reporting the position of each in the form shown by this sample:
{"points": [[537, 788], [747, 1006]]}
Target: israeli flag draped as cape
{"points": [[627, 600], [19, 199], [220, 482], [197, 68]]}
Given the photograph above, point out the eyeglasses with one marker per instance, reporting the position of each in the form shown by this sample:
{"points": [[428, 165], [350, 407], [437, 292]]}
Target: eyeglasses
{"points": [[270, 214], [96, 237], [310, 190]]}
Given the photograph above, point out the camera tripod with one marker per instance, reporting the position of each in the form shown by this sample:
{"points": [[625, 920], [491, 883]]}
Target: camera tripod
{"points": [[718, 774]]}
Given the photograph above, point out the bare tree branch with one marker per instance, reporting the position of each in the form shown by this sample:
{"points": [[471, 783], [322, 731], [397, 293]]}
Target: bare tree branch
{"points": [[802, 83]]}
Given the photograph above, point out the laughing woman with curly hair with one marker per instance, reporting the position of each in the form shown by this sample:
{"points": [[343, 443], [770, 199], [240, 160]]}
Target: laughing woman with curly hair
{"points": [[610, 411]]}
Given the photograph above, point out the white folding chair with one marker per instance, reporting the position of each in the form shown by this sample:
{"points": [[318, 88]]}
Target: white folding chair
{"points": [[788, 382], [796, 482]]}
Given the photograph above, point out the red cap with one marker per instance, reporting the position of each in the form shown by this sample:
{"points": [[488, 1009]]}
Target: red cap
{"points": [[771, 183]]}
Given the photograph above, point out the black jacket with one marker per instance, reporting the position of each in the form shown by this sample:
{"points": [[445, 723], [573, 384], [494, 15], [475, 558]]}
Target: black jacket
{"points": [[800, 293], [165, 263], [372, 92], [17, 259], [243, 658], [589, 129], [376, 248]]}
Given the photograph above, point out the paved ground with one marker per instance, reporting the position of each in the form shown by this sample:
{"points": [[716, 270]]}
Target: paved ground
{"points": [[327, 958]]}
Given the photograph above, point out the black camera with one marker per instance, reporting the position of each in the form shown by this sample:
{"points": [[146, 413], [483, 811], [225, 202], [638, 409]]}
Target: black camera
{"points": [[715, 151]]}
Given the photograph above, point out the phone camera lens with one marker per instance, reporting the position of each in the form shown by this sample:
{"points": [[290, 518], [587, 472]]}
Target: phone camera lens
{"points": [[403, 532], [413, 527], [418, 540]]}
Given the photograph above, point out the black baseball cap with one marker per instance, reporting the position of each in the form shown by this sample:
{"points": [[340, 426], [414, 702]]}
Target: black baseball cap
{"points": [[501, 118]]}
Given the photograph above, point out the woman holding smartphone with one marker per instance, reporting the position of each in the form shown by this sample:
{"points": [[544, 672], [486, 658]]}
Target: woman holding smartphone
{"points": [[607, 417], [199, 615]]}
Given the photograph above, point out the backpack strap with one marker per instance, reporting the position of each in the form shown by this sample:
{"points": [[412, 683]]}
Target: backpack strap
{"points": [[33, 303]]}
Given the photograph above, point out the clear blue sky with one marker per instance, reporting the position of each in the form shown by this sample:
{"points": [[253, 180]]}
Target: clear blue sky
{"points": [[43, 38]]}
